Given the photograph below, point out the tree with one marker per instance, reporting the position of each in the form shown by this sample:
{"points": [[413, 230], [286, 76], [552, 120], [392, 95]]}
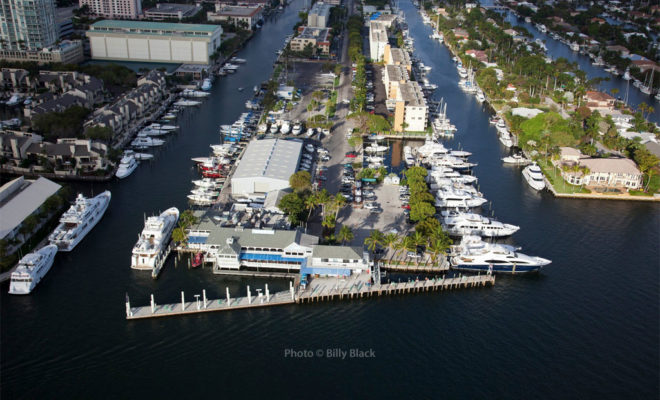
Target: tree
{"points": [[300, 181], [99, 133], [390, 241], [28, 225], [373, 240], [179, 235], [345, 234], [294, 206]]}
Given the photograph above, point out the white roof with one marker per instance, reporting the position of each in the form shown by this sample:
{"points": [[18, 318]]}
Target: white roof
{"points": [[24, 203], [610, 165], [269, 158], [526, 112]]}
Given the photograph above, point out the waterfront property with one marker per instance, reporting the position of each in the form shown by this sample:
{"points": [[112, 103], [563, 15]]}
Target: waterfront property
{"points": [[240, 16], [609, 173], [265, 166], [27, 26], [71, 155], [65, 52], [319, 15], [397, 56], [153, 41], [19, 199], [377, 40]]}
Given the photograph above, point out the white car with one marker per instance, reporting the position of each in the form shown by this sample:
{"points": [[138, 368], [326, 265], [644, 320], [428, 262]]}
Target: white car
{"points": [[310, 132], [297, 130], [309, 148]]}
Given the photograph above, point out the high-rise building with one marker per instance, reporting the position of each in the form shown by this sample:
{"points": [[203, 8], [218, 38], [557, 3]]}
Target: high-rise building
{"points": [[27, 24], [114, 9]]}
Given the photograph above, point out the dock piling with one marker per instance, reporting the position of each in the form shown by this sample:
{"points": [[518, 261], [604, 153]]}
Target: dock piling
{"points": [[153, 304], [204, 294], [267, 294], [197, 301], [183, 301], [249, 295], [228, 298], [291, 290]]}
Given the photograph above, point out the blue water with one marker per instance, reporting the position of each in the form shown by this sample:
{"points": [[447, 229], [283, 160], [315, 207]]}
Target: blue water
{"points": [[586, 327]]}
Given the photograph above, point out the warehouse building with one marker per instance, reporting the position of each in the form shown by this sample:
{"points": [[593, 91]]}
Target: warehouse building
{"points": [[21, 198], [153, 41], [266, 166]]}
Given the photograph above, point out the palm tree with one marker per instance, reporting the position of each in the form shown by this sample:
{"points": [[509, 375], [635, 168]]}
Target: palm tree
{"points": [[410, 246], [438, 246], [322, 199], [390, 240], [373, 240], [339, 201], [345, 234], [310, 203]]}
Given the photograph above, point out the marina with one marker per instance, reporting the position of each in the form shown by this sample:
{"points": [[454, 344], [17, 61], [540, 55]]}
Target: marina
{"points": [[579, 313]]}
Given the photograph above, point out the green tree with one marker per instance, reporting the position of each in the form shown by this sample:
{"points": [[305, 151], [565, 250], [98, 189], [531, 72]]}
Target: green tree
{"points": [[345, 234], [179, 235], [103, 133], [28, 225], [374, 240], [300, 181], [390, 241], [294, 206]]}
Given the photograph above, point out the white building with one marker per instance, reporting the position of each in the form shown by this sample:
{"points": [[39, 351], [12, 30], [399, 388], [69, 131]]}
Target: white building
{"points": [[411, 108], [241, 16], [265, 166], [319, 15], [19, 199], [377, 40], [27, 25], [124, 9], [164, 11], [599, 172], [153, 41]]}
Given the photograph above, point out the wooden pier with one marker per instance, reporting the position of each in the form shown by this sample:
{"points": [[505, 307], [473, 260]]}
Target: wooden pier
{"points": [[319, 289]]}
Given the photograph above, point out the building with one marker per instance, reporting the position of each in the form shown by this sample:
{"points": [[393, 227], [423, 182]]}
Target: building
{"points": [[27, 25], [319, 15], [65, 52], [461, 33], [14, 145], [333, 2], [153, 41], [377, 41], [119, 9], [319, 38], [396, 56], [72, 154], [578, 169], [479, 55], [266, 166], [599, 101], [64, 21], [410, 108], [170, 11], [272, 250], [19, 199], [393, 76], [245, 16]]}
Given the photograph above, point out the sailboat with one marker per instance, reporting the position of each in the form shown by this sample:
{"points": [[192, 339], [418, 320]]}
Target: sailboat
{"points": [[648, 84]]}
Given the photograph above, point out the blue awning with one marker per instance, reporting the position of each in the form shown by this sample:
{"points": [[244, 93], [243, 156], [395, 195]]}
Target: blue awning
{"points": [[269, 257], [197, 239]]}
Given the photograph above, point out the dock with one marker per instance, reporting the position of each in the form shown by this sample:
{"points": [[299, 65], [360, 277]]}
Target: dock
{"points": [[319, 289]]}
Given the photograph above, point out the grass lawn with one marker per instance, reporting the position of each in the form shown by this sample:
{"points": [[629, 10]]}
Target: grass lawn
{"points": [[559, 184]]}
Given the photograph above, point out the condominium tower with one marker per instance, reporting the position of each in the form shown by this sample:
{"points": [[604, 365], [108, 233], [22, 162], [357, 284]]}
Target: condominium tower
{"points": [[27, 24]]}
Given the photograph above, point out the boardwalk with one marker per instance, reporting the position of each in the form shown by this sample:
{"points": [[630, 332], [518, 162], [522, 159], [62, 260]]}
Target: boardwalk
{"points": [[320, 289]]}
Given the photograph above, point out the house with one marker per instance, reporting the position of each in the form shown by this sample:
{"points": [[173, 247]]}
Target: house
{"points": [[460, 33], [623, 52], [14, 144], [597, 101], [577, 169], [480, 55], [69, 154], [598, 21], [645, 65], [510, 87], [17, 80], [318, 38]]}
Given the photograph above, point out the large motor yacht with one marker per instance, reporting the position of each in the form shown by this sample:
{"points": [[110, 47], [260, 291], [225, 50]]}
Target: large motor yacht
{"points": [[462, 224], [31, 269], [476, 255], [78, 220], [152, 243]]}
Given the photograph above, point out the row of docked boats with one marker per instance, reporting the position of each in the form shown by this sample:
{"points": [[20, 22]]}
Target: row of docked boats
{"points": [[73, 226]]}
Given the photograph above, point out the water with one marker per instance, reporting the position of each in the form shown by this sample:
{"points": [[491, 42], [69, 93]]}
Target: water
{"points": [[557, 49], [586, 327]]}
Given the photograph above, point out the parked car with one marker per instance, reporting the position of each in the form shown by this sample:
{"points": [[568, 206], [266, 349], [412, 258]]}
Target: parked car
{"points": [[351, 154]]}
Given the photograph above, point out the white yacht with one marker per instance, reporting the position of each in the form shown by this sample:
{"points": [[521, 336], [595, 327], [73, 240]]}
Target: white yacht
{"points": [[139, 156], [143, 142], [534, 176], [449, 197], [150, 249], [375, 148], [126, 166], [31, 269], [206, 84], [480, 96], [476, 255], [297, 129], [408, 158], [517, 159], [505, 138], [462, 223], [285, 128], [201, 199], [207, 183], [78, 220], [160, 127]]}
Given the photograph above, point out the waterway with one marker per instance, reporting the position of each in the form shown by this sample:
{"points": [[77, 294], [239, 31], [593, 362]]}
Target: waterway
{"points": [[585, 327], [557, 49]]}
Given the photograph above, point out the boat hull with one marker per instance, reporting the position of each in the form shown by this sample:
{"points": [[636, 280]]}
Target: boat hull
{"points": [[498, 268]]}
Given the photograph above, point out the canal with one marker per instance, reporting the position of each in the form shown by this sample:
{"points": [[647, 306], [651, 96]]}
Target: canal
{"points": [[585, 327], [557, 49]]}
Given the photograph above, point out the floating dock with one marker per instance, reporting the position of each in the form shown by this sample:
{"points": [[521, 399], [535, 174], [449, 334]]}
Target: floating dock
{"points": [[319, 289]]}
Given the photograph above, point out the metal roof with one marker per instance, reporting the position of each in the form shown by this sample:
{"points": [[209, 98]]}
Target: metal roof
{"points": [[343, 252], [162, 26], [269, 158], [262, 238], [24, 203]]}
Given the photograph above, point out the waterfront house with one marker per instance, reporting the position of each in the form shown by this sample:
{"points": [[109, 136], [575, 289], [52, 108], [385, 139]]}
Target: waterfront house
{"points": [[609, 173], [480, 55], [17, 80], [598, 101], [623, 52], [14, 145], [72, 154], [460, 33]]}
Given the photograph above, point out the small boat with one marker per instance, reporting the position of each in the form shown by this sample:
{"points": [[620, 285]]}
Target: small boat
{"points": [[516, 159], [197, 260], [139, 156], [31, 269], [143, 142], [240, 89], [206, 84]]}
